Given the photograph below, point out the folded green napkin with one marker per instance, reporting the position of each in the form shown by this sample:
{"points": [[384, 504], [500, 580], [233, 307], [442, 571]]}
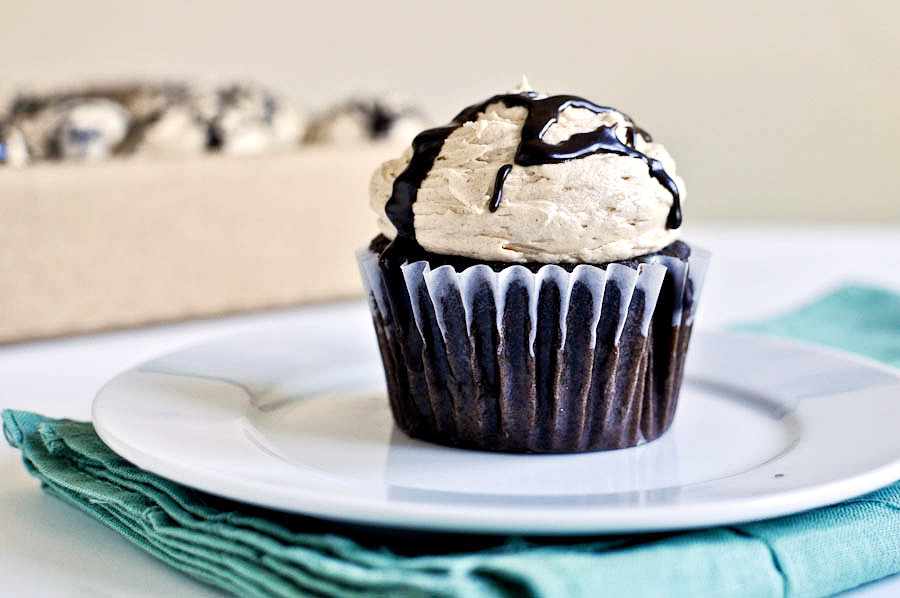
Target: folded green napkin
{"points": [[254, 552]]}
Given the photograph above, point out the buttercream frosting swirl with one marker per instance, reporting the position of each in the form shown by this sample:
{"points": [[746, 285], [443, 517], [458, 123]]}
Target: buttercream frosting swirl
{"points": [[599, 190]]}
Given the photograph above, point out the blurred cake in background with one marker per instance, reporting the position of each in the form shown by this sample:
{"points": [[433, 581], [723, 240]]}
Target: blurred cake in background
{"points": [[392, 116], [161, 119], [133, 204]]}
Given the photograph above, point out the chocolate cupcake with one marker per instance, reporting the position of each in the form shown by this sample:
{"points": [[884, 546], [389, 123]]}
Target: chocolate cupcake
{"points": [[528, 289]]}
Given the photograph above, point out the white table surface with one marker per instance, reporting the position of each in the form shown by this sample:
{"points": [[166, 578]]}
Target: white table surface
{"points": [[50, 549]]}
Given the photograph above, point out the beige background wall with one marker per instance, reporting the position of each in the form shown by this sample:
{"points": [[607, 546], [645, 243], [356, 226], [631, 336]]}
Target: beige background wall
{"points": [[773, 109]]}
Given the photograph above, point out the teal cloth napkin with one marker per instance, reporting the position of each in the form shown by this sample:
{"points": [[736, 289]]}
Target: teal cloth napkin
{"points": [[253, 552]]}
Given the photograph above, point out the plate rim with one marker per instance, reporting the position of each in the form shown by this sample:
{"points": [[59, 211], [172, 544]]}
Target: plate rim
{"points": [[484, 519]]}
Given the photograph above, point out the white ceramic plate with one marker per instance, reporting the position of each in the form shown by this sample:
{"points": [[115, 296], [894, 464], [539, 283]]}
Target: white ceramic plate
{"points": [[297, 419]]}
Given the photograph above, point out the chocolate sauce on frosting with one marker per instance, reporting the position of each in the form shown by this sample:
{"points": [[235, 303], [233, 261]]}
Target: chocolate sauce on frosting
{"points": [[497, 194], [532, 150]]}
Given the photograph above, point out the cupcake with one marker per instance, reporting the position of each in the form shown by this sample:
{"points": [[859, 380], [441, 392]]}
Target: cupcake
{"points": [[528, 288]]}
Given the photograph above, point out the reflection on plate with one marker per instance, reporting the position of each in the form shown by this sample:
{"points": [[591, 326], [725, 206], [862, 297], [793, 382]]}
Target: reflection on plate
{"points": [[297, 419]]}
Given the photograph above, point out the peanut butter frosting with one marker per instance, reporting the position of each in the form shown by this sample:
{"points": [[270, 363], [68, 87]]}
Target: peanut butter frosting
{"points": [[590, 186]]}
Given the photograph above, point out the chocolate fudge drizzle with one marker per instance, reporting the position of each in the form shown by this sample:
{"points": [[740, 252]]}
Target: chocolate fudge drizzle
{"points": [[532, 150], [497, 195]]}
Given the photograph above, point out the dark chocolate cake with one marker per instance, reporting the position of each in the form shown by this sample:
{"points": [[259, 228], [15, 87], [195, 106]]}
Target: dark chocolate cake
{"points": [[460, 376]]}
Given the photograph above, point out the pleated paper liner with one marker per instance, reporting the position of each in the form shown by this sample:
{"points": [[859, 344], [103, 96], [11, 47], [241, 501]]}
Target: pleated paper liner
{"points": [[550, 361]]}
